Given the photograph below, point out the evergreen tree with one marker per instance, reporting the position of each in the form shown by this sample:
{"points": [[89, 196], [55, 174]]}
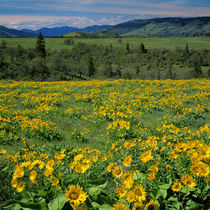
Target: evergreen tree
{"points": [[142, 48], [170, 74], [3, 45], [110, 47], [20, 51], [137, 69], [118, 72], [187, 48], [108, 68], [127, 47], [197, 69], [40, 46], [91, 67]]}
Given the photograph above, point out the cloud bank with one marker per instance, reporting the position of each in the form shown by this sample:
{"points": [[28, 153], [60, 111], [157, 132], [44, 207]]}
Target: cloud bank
{"points": [[37, 22]]}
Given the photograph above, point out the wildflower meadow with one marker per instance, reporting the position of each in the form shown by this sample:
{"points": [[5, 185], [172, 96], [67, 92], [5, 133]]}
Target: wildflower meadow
{"points": [[119, 144]]}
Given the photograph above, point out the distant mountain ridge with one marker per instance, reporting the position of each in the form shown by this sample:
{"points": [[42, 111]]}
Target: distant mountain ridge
{"points": [[171, 26], [59, 31], [162, 27], [6, 32]]}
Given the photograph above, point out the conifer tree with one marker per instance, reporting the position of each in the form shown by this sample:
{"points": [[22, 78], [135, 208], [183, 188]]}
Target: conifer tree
{"points": [[187, 48], [197, 69], [91, 67], [142, 48], [3, 45], [40, 46], [127, 47]]}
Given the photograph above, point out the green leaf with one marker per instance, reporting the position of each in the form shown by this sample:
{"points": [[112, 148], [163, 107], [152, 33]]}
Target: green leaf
{"points": [[105, 206], [161, 193], [101, 207], [24, 203], [17, 207], [140, 176], [4, 169], [191, 205], [186, 190], [12, 206], [58, 202], [94, 191], [42, 193], [173, 203], [30, 205], [172, 199], [44, 206], [95, 205], [165, 186]]}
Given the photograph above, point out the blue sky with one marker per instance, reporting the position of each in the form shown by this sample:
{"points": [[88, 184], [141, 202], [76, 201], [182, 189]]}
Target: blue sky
{"points": [[36, 14]]}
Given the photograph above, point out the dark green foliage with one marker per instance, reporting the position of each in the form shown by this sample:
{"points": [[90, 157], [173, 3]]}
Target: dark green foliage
{"points": [[127, 48], [3, 45], [20, 51], [137, 69], [6, 190], [39, 70], [82, 60], [197, 69], [170, 74], [142, 48], [118, 72], [108, 70], [40, 46], [187, 48], [91, 67]]}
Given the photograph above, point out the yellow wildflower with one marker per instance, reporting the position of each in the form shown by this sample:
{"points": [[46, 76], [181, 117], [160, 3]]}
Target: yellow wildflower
{"points": [[75, 195]]}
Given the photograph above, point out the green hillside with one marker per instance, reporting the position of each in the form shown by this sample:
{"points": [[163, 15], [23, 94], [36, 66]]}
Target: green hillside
{"points": [[165, 27]]}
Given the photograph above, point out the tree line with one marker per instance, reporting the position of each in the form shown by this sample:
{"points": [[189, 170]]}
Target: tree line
{"points": [[85, 61]]}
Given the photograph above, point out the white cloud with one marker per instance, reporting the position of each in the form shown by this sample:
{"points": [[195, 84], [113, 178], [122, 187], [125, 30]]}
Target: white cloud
{"points": [[37, 22]]}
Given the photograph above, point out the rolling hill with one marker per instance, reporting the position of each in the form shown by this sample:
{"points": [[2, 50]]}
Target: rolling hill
{"points": [[164, 27]]}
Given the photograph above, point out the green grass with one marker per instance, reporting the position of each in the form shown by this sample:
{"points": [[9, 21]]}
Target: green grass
{"points": [[155, 42]]}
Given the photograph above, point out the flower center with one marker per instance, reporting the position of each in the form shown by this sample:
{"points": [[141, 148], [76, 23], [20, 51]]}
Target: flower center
{"points": [[138, 192], [74, 196], [118, 171]]}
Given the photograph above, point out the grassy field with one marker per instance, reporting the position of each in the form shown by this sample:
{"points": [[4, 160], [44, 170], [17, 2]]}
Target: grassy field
{"points": [[105, 144], [167, 42]]}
